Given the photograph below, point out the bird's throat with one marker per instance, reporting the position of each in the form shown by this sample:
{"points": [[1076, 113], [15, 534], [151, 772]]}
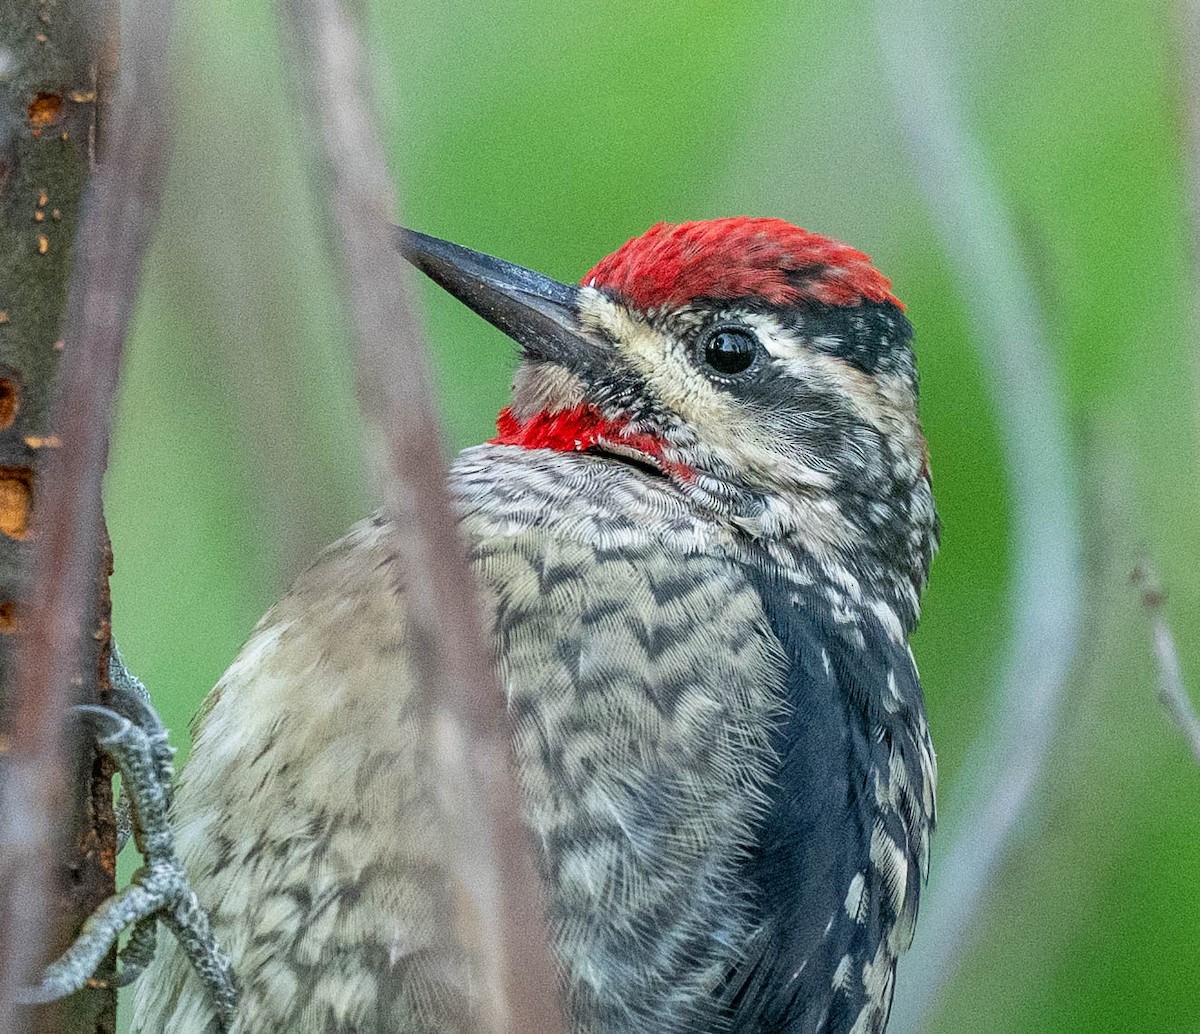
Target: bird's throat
{"points": [[582, 428]]}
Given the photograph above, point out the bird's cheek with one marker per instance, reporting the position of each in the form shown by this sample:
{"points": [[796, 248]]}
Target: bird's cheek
{"points": [[770, 458]]}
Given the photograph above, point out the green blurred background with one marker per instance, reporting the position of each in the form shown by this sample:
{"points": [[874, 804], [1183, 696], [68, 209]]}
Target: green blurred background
{"points": [[548, 133]]}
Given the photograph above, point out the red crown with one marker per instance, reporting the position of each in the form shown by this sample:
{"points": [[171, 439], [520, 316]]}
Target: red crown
{"points": [[671, 264]]}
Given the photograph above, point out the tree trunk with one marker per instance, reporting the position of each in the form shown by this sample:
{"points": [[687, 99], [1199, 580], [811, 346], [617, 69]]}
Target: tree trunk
{"points": [[52, 55]]}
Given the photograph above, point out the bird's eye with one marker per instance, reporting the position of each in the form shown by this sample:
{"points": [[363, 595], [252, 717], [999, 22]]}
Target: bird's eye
{"points": [[729, 350]]}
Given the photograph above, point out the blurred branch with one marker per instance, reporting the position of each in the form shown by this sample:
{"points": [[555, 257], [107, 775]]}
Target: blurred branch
{"points": [[978, 235], [1171, 689], [1190, 32], [396, 393], [66, 561], [1170, 676]]}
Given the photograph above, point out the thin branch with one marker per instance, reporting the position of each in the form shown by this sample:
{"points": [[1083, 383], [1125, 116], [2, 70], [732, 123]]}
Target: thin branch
{"points": [[111, 244], [979, 237], [1171, 689], [396, 393]]}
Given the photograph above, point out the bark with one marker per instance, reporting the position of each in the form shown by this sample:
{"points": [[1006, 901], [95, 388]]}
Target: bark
{"points": [[57, 839], [48, 129]]}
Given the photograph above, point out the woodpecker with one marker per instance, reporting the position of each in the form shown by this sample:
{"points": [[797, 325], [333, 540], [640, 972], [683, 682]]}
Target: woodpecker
{"points": [[700, 537]]}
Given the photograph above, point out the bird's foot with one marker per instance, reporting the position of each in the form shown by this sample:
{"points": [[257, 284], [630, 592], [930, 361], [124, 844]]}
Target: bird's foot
{"points": [[129, 731]]}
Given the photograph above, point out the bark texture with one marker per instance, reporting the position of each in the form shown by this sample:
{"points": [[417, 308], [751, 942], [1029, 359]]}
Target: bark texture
{"points": [[50, 67]]}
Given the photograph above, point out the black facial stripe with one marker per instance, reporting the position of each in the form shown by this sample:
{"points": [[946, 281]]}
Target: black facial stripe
{"points": [[619, 387], [872, 336]]}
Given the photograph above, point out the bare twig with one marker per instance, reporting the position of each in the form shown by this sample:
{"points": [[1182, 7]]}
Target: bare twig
{"points": [[978, 235], [112, 241], [396, 394], [1171, 689]]}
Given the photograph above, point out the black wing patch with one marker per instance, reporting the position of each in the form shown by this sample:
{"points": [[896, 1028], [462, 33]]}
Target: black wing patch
{"points": [[839, 856]]}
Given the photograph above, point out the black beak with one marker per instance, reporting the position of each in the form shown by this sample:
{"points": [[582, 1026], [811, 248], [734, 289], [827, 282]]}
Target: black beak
{"points": [[535, 311]]}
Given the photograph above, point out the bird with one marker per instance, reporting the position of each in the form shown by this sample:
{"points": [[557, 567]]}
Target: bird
{"points": [[700, 536]]}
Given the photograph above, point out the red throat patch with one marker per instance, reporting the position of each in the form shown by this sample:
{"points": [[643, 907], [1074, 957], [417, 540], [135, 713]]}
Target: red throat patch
{"points": [[580, 429], [673, 263]]}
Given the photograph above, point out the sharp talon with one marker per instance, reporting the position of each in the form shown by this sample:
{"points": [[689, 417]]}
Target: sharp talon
{"points": [[130, 704], [107, 726]]}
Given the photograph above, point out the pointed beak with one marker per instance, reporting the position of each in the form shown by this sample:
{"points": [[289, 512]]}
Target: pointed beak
{"points": [[535, 311]]}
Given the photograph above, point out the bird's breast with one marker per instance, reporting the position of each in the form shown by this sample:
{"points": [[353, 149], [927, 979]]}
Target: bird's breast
{"points": [[699, 761]]}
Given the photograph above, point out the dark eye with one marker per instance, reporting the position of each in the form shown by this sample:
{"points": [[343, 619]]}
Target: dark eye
{"points": [[729, 350]]}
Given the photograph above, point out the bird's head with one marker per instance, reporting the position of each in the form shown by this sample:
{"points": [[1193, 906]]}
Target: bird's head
{"points": [[764, 370]]}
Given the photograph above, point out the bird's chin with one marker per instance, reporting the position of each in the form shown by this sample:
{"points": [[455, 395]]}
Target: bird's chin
{"points": [[634, 457]]}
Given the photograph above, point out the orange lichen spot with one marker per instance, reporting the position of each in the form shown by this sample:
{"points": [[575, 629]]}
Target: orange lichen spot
{"points": [[43, 244], [82, 96], [46, 109], [41, 37], [10, 402], [43, 197], [59, 345], [49, 441], [3, 316], [65, 135], [38, 216], [16, 498], [8, 617]]}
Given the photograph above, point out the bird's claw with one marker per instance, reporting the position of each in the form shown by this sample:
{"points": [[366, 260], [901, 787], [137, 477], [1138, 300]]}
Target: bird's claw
{"points": [[130, 732]]}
